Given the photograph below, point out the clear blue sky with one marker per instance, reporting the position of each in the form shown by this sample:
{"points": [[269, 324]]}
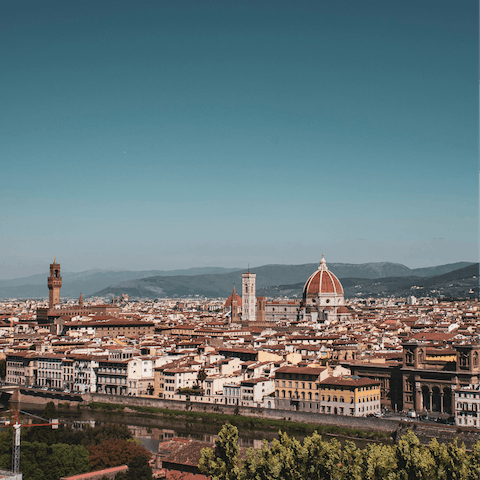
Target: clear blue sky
{"points": [[173, 134]]}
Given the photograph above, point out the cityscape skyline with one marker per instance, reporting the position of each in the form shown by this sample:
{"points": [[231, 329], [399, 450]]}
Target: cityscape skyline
{"points": [[177, 134]]}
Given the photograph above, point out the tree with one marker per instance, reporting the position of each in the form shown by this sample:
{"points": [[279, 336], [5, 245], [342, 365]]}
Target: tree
{"points": [[201, 377], [280, 461], [50, 411], [352, 459], [413, 460], [112, 453], [450, 460], [38, 461], [321, 460], [379, 462], [139, 468], [6, 440], [474, 463], [221, 463], [289, 459]]}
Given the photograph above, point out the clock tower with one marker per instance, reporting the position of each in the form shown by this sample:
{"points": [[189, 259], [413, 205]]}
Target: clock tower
{"points": [[54, 284]]}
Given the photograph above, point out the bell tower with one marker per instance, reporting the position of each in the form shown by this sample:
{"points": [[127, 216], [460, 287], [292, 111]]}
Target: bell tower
{"points": [[248, 297], [54, 284]]}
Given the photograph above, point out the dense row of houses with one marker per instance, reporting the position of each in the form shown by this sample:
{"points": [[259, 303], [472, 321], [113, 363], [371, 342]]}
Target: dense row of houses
{"points": [[266, 380], [412, 356], [421, 379]]}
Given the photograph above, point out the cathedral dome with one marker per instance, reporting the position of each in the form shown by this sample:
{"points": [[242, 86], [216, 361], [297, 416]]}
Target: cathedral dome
{"points": [[322, 283], [228, 303]]}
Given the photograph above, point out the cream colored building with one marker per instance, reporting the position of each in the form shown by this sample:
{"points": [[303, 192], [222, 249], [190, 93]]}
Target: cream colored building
{"points": [[249, 300]]}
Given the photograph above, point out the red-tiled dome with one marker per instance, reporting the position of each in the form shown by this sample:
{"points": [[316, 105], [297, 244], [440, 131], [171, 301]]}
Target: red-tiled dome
{"points": [[322, 282], [228, 303]]}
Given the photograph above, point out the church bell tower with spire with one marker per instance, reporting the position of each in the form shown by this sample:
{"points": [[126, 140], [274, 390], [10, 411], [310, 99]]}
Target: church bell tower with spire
{"points": [[54, 284]]}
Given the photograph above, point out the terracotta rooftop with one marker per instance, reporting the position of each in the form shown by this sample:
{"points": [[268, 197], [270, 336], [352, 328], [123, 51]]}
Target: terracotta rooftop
{"points": [[349, 382]]}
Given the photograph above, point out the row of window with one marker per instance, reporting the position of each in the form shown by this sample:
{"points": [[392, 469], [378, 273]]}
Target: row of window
{"points": [[325, 398], [294, 376], [50, 365], [296, 384], [50, 374], [112, 370], [469, 395], [112, 380]]}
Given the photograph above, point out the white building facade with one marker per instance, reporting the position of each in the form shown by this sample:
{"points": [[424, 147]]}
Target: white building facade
{"points": [[467, 406], [249, 304]]}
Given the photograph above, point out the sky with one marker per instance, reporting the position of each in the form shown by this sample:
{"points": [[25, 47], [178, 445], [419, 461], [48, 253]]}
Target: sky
{"points": [[172, 134]]}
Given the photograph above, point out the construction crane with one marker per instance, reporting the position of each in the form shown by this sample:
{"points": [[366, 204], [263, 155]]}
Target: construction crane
{"points": [[16, 435]]}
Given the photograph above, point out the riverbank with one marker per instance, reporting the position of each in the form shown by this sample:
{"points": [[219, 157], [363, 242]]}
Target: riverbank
{"points": [[210, 417], [207, 413], [242, 422], [366, 424]]}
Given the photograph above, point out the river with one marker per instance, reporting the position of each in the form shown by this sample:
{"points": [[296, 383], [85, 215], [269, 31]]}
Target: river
{"points": [[151, 430]]}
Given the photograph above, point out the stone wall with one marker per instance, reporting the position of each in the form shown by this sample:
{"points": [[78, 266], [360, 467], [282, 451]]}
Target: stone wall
{"points": [[40, 397], [361, 423], [443, 433], [425, 432]]}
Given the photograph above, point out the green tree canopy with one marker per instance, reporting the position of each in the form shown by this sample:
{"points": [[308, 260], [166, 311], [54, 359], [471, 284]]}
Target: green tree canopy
{"points": [[222, 462], [289, 459], [112, 453], [50, 411]]}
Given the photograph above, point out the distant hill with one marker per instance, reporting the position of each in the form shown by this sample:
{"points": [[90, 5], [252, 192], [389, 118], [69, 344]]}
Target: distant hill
{"points": [[457, 283], [89, 281], [267, 280], [206, 281], [440, 269]]}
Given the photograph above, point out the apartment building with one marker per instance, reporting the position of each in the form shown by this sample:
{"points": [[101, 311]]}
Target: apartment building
{"points": [[112, 377], [140, 376], [296, 387], [467, 406], [175, 378], [85, 369], [253, 391], [50, 371], [349, 395], [21, 368]]}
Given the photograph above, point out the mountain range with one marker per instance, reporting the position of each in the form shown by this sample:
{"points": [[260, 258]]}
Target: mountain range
{"points": [[460, 283], [218, 282]]}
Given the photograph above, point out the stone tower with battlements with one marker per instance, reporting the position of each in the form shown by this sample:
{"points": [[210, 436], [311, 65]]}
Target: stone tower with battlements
{"points": [[54, 284]]}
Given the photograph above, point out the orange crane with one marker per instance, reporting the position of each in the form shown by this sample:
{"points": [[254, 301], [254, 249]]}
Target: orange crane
{"points": [[16, 435]]}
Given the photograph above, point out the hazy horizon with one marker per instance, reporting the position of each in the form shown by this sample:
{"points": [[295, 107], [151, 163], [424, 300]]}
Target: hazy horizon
{"points": [[66, 271]]}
